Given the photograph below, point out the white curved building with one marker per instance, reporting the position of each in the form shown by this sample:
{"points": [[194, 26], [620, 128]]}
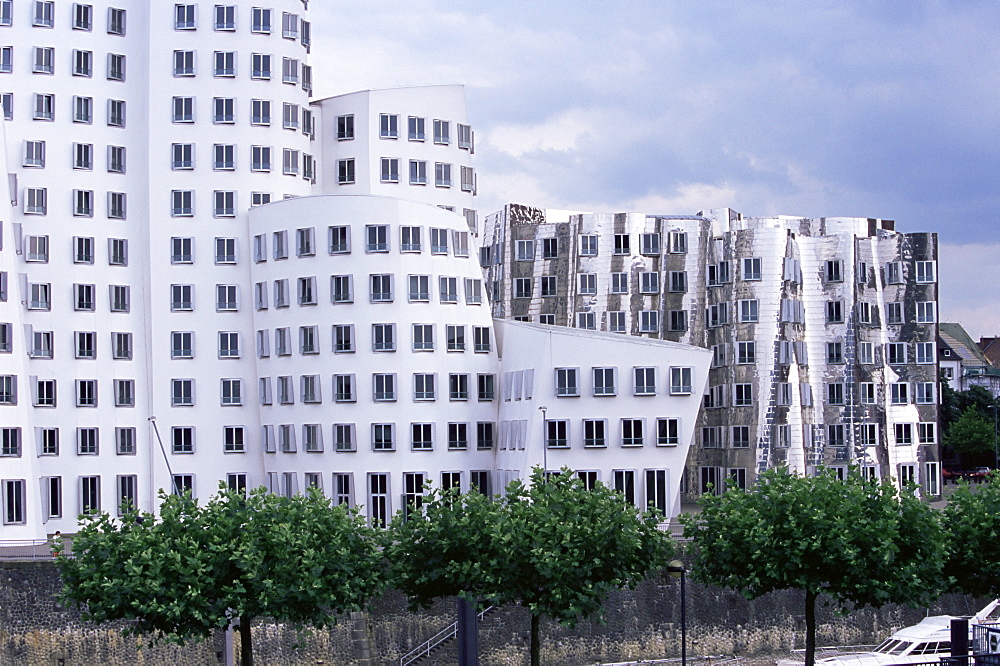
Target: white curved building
{"points": [[341, 340]]}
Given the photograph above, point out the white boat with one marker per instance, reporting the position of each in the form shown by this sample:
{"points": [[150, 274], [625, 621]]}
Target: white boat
{"points": [[927, 641]]}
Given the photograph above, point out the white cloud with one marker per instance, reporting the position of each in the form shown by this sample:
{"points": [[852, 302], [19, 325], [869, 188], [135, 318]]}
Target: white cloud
{"points": [[968, 291], [560, 133]]}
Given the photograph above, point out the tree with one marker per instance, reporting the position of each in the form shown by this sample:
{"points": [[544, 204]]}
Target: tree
{"points": [[858, 541], [971, 435], [555, 547], [194, 569], [972, 526]]}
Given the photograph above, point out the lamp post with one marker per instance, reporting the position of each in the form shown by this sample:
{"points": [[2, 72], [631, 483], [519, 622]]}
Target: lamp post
{"points": [[677, 570], [996, 445], [545, 446]]}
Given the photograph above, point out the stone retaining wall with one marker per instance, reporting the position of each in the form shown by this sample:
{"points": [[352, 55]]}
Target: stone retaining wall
{"points": [[639, 624]]}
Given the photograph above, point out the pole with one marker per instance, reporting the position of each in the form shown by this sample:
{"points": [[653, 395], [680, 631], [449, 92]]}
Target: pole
{"points": [[677, 570], [545, 444], [163, 450], [996, 446]]}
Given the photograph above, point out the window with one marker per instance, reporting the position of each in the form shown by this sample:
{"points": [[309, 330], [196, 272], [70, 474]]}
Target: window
{"points": [[442, 174], [481, 339], [384, 387], [588, 283], [549, 286], [390, 170], [7, 101], [183, 63], [14, 492], [925, 352], [8, 389], [468, 179], [523, 288], [835, 394], [225, 298], [650, 244], [384, 337], [834, 312], [895, 353], [680, 381], [835, 352], [224, 157], [903, 433], [82, 16], [340, 240], [455, 337], [925, 393], [416, 128], [388, 126], [307, 290], [116, 72], [181, 344], [588, 245], [894, 272], [34, 154], [43, 60], [894, 313], [746, 352], [649, 321], [645, 381], [678, 281], [119, 297], [376, 238], [442, 130], [604, 381], [182, 392], [834, 271], [899, 393], [423, 337], [567, 382], [632, 432], [926, 312], [751, 268], [37, 248], [743, 395], [649, 283], [418, 172], [224, 110], [678, 320], [225, 17], [10, 442], [439, 241], [183, 110], [458, 387], [556, 434], [261, 22], [184, 17], [116, 159], [595, 432], [231, 392], [926, 271], [381, 288], [622, 244]]}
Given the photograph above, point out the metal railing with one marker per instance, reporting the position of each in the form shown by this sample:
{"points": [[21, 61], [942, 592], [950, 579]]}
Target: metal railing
{"points": [[25, 549], [708, 660], [428, 646]]}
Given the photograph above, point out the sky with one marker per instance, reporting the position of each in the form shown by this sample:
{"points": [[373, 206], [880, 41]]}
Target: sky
{"points": [[886, 109]]}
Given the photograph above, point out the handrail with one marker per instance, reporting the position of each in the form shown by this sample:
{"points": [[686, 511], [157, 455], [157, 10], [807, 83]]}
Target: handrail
{"points": [[425, 648], [25, 549]]}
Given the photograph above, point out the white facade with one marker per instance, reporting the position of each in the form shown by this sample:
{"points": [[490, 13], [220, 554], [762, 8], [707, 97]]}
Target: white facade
{"points": [[409, 143], [341, 341]]}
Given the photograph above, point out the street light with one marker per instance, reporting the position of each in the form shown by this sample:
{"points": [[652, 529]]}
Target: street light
{"points": [[545, 446], [677, 570], [996, 446]]}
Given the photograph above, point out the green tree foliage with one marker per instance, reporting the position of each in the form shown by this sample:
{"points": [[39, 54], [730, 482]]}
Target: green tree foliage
{"points": [[972, 526], [553, 546], [194, 569], [857, 541], [971, 435], [441, 549]]}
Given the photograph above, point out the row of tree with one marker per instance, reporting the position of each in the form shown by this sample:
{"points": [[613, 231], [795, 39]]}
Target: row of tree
{"points": [[554, 546]]}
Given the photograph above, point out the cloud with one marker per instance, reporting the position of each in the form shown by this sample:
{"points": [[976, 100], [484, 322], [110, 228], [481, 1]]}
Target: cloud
{"points": [[967, 295]]}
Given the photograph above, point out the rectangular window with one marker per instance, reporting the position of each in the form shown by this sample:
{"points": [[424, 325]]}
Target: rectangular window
{"points": [[225, 17], [261, 21], [926, 272], [182, 392], [486, 387], [87, 443], [14, 511], [381, 288], [894, 272], [622, 245], [835, 270], [423, 337], [649, 283], [650, 244], [604, 381], [588, 245], [10, 440], [616, 322], [556, 434], [926, 352], [455, 337], [116, 72], [340, 289], [224, 110], [899, 393], [680, 381], [183, 110], [751, 268], [567, 382], [418, 172], [678, 281], [834, 312], [384, 387], [632, 434], [895, 353], [595, 432], [448, 289], [645, 381], [835, 352], [384, 337]]}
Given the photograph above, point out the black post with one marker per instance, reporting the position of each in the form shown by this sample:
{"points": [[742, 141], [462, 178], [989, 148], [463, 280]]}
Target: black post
{"points": [[960, 640], [468, 633], [684, 641]]}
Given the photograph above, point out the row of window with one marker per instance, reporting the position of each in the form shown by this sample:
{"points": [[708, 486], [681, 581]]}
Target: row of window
{"points": [[83, 203], [182, 202], [865, 353], [594, 433], [381, 290], [717, 273], [81, 16], [832, 435], [383, 339], [377, 240], [36, 250], [224, 20], [43, 107], [293, 117], [84, 297], [416, 126], [82, 62], [293, 71], [604, 381], [389, 173], [81, 156], [837, 393]]}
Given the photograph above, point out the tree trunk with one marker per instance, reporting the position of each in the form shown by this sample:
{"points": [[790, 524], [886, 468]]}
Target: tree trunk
{"points": [[246, 643], [811, 627], [535, 647]]}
